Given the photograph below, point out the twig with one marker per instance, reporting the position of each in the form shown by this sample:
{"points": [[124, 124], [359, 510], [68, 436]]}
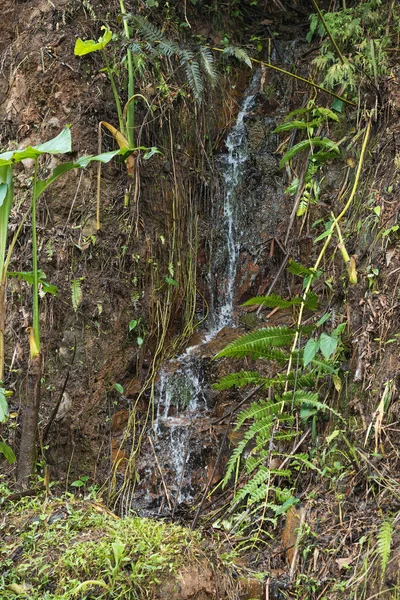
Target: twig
{"points": [[284, 72]]}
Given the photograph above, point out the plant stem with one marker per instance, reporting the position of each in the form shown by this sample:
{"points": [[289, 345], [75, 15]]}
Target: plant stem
{"points": [[284, 72], [35, 263], [130, 120], [343, 60], [325, 246], [122, 127]]}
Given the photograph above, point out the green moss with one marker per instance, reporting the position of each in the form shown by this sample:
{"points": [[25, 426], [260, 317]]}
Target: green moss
{"points": [[61, 549]]}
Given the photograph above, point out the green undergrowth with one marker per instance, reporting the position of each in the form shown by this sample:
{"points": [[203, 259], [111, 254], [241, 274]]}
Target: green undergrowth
{"points": [[62, 548]]}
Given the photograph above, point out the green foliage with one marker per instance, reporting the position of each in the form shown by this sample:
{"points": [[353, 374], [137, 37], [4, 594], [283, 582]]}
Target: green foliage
{"points": [[271, 421], [384, 543], [313, 119], [69, 548], [198, 64], [76, 293], [361, 33]]}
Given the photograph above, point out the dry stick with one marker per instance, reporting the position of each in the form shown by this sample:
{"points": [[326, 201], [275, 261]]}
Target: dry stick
{"points": [[161, 473], [325, 246], [303, 79], [324, 23], [210, 479]]}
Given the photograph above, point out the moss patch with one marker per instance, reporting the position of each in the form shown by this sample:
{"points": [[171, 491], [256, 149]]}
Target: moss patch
{"points": [[64, 548]]}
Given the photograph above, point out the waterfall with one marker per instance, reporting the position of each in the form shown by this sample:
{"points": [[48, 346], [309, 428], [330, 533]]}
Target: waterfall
{"points": [[232, 168], [180, 396]]}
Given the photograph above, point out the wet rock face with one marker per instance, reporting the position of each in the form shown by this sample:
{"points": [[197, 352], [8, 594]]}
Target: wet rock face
{"points": [[251, 212], [260, 205]]}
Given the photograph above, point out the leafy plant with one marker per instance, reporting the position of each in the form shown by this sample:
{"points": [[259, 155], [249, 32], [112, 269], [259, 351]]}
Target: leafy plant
{"points": [[269, 422], [319, 150], [384, 543], [355, 42], [61, 144]]}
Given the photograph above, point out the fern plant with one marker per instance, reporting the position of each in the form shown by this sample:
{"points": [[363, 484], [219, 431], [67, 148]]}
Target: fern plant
{"points": [[286, 395], [309, 120], [362, 37], [197, 63], [384, 543]]}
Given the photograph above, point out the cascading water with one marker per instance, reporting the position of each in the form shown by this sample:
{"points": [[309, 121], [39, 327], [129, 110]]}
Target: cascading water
{"points": [[180, 396], [232, 168]]}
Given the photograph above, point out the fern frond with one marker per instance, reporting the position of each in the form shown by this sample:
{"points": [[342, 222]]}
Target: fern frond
{"points": [[76, 293], [384, 543], [299, 397], [253, 431], [208, 65], [272, 301], [193, 75], [238, 53], [238, 380], [296, 268], [262, 409], [149, 31], [307, 145], [258, 341], [168, 47]]}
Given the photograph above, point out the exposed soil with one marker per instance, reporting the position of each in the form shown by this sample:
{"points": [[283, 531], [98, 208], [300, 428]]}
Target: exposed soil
{"points": [[123, 269]]}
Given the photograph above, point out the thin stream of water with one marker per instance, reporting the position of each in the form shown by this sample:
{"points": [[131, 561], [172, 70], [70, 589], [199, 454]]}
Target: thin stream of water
{"points": [[180, 396]]}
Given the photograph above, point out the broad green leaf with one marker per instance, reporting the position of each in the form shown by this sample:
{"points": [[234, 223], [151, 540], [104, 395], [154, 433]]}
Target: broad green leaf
{"points": [[286, 505], [81, 163], [61, 144], [3, 192], [338, 330], [88, 46], [306, 145], [171, 281], [328, 344], [323, 319], [310, 350], [7, 452], [119, 388], [3, 406], [28, 276], [133, 324], [323, 235]]}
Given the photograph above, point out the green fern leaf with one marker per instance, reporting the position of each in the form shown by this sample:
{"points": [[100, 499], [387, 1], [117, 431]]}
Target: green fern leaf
{"points": [[258, 341], [307, 145], [168, 47], [238, 380], [272, 301], [384, 543], [238, 53], [297, 269], [261, 410], [299, 397], [149, 32], [208, 66], [193, 74], [76, 293]]}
